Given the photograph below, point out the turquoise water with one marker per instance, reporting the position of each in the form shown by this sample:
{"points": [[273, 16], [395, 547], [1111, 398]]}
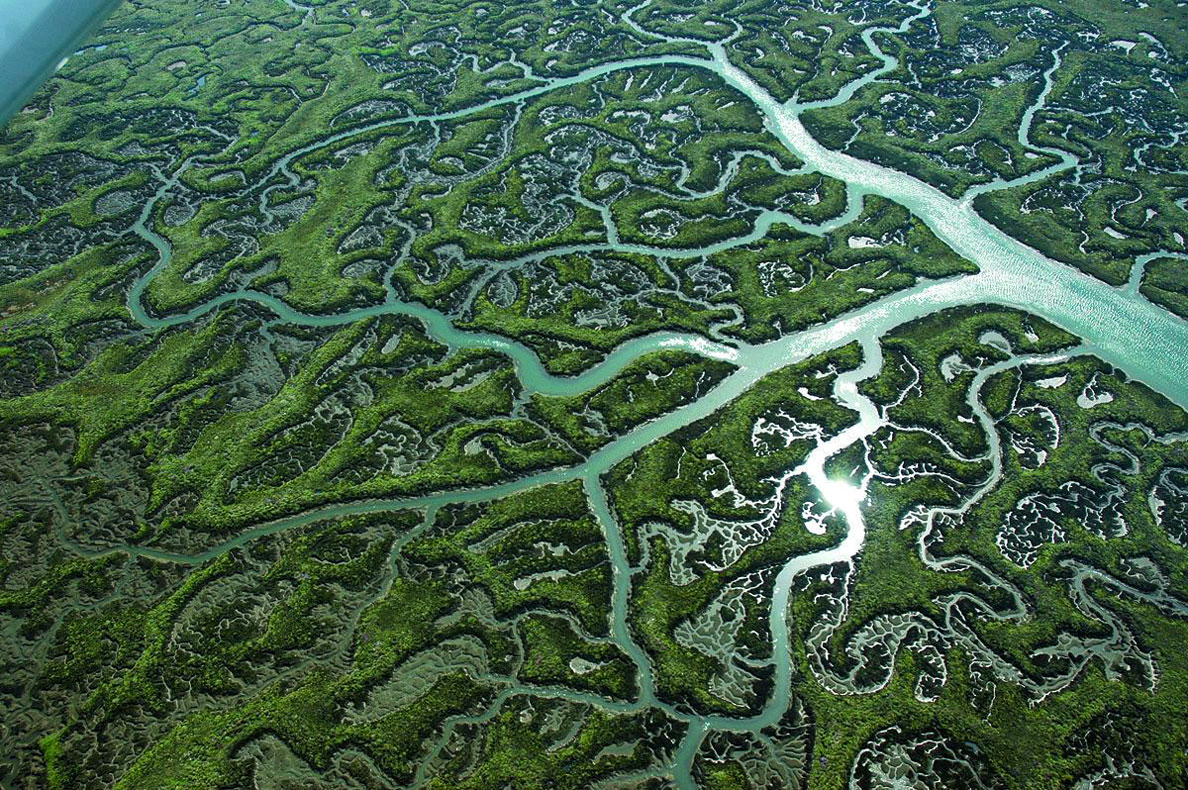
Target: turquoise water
{"points": [[1118, 325]]}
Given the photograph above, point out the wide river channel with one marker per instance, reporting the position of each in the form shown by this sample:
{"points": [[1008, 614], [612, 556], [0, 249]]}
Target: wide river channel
{"points": [[1117, 324]]}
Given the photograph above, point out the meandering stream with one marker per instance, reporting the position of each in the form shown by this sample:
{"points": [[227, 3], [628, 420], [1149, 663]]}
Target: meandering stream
{"points": [[1118, 325]]}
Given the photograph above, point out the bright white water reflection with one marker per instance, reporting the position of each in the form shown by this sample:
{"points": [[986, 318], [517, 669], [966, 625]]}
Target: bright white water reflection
{"points": [[842, 495], [1119, 326]]}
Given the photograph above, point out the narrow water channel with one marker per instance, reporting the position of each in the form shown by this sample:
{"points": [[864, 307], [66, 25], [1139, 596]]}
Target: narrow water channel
{"points": [[1118, 325]]}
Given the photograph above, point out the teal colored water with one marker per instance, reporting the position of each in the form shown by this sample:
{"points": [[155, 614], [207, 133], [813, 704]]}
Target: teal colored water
{"points": [[1118, 325]]}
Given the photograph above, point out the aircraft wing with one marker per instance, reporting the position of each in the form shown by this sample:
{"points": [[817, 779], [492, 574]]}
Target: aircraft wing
{"points": [[35, 37]]}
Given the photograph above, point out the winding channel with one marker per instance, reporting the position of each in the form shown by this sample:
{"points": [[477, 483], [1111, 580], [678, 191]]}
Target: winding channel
{"points": [[1117, 325]]}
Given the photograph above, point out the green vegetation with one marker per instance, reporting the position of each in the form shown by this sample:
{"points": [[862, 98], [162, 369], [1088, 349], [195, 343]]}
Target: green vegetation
{"points": [[1165, 282], [554, 655], [714, 454], [450, 395], [1027, 745], [1086, 182], [647, 388]]}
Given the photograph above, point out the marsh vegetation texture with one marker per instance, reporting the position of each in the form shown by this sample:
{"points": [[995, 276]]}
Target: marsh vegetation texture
{"points": [[580, 394]]}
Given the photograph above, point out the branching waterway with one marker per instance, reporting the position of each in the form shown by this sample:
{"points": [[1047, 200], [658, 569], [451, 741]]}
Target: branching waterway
{"points": [[1117, 325]]}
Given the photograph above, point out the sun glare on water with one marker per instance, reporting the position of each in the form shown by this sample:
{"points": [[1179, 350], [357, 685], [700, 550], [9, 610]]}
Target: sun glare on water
{"points": [[841, 495]]}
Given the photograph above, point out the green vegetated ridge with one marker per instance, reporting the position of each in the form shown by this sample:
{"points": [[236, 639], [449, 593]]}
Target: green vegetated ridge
{"points": [[434, 395]]}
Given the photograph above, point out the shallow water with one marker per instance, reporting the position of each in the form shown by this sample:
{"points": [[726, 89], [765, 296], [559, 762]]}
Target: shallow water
{"points": [[1118, 325]]}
